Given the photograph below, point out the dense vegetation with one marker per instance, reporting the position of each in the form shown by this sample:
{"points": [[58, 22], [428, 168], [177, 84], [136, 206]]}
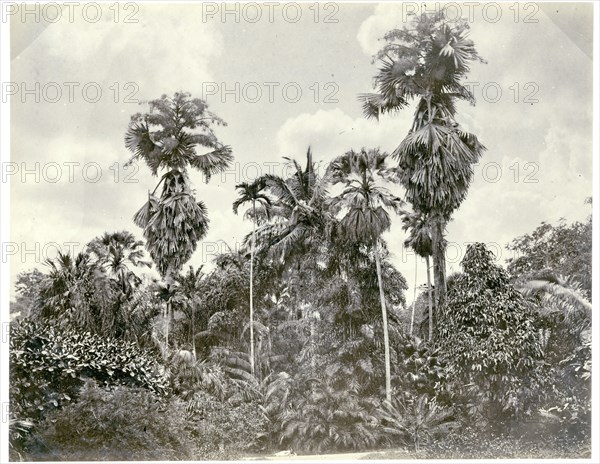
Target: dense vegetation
{"points": [[303, 339]]}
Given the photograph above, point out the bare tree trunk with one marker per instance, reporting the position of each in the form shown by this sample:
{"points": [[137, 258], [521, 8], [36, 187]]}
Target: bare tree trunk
{"points": [[386, 341], [412, 316], [252, 370], [439, 264], [429, 298]]}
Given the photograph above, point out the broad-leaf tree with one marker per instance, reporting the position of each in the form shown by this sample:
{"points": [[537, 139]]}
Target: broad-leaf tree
{"points": [[488, 336]]}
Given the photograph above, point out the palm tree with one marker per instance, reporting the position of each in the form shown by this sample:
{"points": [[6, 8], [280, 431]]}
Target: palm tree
{"points": [[252, 193], [188, 290], [76, 291], [428, 62], [167, 137], [419, 240], [366, 217], [115, 252], [298, 215]]}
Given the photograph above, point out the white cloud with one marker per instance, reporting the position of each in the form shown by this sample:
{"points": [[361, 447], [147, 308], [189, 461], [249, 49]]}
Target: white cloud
{"points": [[168, 49], [331, 133]]}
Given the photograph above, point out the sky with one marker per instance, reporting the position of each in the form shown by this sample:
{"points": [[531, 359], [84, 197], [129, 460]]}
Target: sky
{"points": [[283, 78]]}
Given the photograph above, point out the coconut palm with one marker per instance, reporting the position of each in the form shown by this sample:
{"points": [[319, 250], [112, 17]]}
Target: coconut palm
{"points": [[298, 214], [364, 206], [252, 193], [428, 62]]}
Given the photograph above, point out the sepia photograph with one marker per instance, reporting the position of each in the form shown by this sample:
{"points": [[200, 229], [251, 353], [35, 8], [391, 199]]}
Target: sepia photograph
{"points": [[299, 231]]}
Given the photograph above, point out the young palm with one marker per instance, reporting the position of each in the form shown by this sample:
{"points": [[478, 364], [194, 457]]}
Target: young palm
{"points": [[364, 206], [252, 193], [299, 217], [419, 240]]}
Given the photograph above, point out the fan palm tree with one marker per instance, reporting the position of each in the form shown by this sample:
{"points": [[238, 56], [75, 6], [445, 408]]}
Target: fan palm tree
{"points": [[76, 291], [252, 193], [365, 216], [419, 240], [167, 138], [428, 62], [115, 252]]}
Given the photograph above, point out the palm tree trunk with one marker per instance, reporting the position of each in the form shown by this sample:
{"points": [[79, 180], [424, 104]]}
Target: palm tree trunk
{"points": [[439, 263], [252, 371], [412, 316], [386, 341], [193, 331], [167, 320], [429, 298]]}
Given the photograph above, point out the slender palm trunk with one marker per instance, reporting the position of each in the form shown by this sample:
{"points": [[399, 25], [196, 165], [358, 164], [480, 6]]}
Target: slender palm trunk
{"points": [[252, 370], [412, 315], [439, 264], [429, 298], [167, 320], [386, 341], [193, 332]]}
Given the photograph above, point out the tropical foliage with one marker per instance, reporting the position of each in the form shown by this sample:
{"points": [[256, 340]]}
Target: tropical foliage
{"points": [[301, 340]]}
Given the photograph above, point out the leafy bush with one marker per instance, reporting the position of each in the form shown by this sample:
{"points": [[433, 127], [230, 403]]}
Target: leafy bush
{"points": [[488, 337], [113, 424], [48, 367], [472, 443]]}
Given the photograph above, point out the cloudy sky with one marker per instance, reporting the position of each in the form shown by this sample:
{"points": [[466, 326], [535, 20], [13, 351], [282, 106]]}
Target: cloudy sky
{"points": [[283, 78]]}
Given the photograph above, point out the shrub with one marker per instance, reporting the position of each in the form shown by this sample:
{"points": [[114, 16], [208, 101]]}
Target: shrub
{"points": [[48, 367], [115, 424], [224, 430], [488, 337]]}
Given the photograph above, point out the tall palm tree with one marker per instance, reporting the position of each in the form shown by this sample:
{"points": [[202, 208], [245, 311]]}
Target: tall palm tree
{"points": [[419, 240], [364, 206], [428, 62], [167, 138], [252, 193]]}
